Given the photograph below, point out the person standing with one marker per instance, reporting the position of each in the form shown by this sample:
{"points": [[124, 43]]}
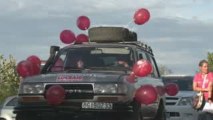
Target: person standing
{"points": [[203, 82]]}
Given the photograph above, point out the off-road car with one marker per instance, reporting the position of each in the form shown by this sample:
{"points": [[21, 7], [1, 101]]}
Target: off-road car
{"points": [[93, 79]]}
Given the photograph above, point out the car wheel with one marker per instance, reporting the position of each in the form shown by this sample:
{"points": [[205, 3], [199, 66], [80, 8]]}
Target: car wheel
{"points": [[135, 115]]}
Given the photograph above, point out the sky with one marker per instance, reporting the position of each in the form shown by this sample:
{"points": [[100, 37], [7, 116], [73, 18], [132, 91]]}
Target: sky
{"points": [[179, 31]]}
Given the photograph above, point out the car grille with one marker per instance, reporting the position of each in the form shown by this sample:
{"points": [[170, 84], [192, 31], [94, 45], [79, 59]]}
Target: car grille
{"points": [[171, 100], [76, 91]]}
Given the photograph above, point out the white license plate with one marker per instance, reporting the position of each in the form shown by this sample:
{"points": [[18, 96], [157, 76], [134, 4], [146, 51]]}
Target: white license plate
{"points": [[97, 105]]}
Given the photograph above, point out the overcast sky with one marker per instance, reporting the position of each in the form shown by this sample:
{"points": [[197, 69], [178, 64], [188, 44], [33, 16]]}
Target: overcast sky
{"points": [[179, 31]]}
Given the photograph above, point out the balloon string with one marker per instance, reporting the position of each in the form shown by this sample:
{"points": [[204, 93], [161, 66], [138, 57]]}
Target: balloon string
{"points": [[87, 33], [130, 25]]}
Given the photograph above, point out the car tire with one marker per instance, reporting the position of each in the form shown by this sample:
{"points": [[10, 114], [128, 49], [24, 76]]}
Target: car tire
{"points": [[109, 34], [135, 115]]}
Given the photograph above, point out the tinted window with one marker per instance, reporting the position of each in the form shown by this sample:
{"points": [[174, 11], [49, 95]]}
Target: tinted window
{"points": [[184, 83]]}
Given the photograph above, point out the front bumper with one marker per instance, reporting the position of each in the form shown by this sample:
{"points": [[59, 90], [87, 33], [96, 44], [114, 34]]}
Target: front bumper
{"points": [[39, 104], [181, 113]]}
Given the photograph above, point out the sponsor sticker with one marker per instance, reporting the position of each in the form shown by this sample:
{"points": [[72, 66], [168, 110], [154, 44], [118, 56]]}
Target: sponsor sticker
{"points": [[69, 78]]}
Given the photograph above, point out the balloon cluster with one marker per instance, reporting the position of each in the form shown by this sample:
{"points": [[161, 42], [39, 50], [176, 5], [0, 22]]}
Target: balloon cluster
{"points": [[29, 67], [68, 37]]}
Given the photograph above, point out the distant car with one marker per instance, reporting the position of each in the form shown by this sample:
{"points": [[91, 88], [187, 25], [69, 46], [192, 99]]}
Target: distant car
{"points": [[179, 107], [6, 109]]}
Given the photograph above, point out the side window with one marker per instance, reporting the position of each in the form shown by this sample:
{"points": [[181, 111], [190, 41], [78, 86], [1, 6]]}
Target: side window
{"points": [[141, 55], [155, 71], [59, 64], [12, 102]]}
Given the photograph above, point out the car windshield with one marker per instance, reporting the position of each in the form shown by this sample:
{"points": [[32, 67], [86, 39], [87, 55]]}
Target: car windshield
{"points": [[184, 83], [103, 58]]}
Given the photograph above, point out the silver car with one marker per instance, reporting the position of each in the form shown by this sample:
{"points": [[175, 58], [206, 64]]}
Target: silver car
{"points": [[6, 109], [179, 107]]}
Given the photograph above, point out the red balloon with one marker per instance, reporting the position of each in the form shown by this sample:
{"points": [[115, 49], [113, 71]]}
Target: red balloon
{"points": [[141, 16], [82, 38], [34, 59], [172, 89], [146, 94], [24, 68], [67, 36], [55, 95], [131, 78], [36, 64], [83, 22], [142, 68]]}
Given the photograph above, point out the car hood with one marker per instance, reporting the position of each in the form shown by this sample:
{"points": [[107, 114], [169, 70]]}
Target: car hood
{"points": [[77, 77], [184, 94]]}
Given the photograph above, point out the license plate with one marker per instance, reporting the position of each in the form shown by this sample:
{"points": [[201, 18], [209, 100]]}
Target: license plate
{"points": [[97, 105]]}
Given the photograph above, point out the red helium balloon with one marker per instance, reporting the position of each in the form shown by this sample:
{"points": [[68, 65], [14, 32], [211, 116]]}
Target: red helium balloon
{"points": [[146, 94], [83, 22], [67, 36], [36, 64], [141, 16], [82, 38], [35, 69], [34, 59], [131, 78], [55, 95], [24, 68], [142, 68], [172, 89]]}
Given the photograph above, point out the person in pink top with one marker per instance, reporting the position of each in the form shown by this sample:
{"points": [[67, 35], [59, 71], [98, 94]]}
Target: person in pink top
{"points": [[203, 82]]}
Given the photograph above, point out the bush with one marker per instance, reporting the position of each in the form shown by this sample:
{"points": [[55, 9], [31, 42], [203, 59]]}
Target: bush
{"points": [[9, 79]]}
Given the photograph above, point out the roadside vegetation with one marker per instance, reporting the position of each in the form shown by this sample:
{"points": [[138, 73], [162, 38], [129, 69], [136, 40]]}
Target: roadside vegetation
{"points": [[9, 79]]}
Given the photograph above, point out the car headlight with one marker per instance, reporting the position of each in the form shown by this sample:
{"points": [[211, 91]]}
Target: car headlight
{"points": [[37, 88], [105, 88], [110, 88], [185, 101]]}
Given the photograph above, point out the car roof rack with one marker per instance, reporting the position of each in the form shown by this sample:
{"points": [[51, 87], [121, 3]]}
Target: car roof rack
{"points": [[140, 44]]}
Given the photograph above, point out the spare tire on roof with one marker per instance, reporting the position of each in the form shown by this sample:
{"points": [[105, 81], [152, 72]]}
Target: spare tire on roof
{"points": [[108, 34]]}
